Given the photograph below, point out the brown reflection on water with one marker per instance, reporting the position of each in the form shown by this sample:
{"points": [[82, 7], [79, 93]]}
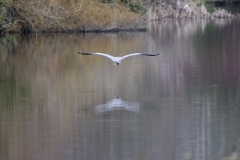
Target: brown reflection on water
{"points": [[183, 103], [49, 83]]}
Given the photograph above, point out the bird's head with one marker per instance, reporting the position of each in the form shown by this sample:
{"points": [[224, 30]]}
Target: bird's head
{"points": [[116, 63]]}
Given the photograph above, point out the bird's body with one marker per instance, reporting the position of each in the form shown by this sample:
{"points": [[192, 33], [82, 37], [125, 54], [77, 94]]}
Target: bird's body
{"points": [[116, 60]]}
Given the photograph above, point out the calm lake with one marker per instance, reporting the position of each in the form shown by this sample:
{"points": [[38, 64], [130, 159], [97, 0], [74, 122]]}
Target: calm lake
{"points": [[181, 105]]}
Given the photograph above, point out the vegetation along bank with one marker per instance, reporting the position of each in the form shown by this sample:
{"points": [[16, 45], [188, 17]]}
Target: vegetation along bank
{"points": [[17, 16]]}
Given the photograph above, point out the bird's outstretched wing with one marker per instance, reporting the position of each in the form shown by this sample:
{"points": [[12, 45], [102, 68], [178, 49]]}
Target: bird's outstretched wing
{"points": [[99, 54], [138, 54]]}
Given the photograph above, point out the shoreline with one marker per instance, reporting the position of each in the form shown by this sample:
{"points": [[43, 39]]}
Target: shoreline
{"points": [[80, 31], [115, 30]]}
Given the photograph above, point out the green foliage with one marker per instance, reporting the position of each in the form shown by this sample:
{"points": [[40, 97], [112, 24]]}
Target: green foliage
{"points": [[198, 2], [211, 10], [137, 7], [210, 7], [134, 6]]}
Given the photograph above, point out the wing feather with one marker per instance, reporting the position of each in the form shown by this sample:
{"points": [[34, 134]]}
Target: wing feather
{"points": [[99, 54], [138, 54]]}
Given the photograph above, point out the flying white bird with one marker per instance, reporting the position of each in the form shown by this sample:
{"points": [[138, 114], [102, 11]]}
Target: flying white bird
{"points": [[117, 60]]}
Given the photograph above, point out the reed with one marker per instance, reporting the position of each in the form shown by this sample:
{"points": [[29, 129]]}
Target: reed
{"points": [[65, 15]]}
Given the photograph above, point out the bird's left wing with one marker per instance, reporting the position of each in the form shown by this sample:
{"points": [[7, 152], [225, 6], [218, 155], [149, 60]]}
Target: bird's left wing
{"points": [[99, 54], [138, 54]]}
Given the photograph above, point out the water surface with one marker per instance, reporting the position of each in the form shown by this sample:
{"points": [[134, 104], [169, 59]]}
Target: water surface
{"points": [[183, 104]]}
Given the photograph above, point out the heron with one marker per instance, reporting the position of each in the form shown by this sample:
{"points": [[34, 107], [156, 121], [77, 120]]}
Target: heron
{"points": [[116, 60]]}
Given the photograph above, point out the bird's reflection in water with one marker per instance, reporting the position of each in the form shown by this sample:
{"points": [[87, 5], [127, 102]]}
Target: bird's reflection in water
{"points": [[118, 104]]}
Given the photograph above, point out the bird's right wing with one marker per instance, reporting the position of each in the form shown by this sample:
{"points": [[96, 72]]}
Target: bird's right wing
{"points": [[138, 54], [99, 54]]}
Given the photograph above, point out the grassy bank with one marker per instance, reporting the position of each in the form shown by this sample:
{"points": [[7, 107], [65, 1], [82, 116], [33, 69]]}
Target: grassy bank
{"points": [[68, 15], [96, 15]]}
